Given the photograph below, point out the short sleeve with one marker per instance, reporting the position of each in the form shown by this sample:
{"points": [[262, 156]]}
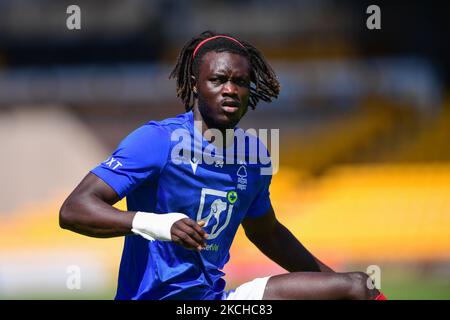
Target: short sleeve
{"points": [[140, 156], [261, 204]]}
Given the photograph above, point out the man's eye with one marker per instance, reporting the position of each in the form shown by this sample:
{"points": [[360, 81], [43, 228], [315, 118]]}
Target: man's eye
{"points": [[242, 82], [216, 80]]}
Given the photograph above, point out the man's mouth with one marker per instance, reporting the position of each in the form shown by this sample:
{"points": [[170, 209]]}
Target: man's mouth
{"points": [[230, 106]]}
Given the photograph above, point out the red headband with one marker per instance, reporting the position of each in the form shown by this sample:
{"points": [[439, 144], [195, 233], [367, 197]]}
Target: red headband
{"points": [[212, 38]]}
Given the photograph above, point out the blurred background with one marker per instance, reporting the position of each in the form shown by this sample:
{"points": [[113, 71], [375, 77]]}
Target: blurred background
{"points": [[364, 119]]}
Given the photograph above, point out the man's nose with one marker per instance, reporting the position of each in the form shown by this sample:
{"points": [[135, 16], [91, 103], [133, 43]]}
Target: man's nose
{"points": [[229, 88]]}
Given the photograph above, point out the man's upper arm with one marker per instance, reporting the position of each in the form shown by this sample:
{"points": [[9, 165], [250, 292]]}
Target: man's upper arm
{"points": [[141, 155], [261, 225], [91, 185], [261, 203]]}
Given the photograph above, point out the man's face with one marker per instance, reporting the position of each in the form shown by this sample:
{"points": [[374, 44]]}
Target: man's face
{"points": [[223, 88]]}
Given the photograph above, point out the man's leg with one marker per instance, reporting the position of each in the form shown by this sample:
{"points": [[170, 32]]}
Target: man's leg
{"points": [[319, 286]]}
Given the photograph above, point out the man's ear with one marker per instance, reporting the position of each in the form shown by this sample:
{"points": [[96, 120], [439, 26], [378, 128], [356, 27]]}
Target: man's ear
{"points": [[194, 85]]}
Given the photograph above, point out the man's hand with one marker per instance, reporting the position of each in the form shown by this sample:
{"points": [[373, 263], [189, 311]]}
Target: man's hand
{"points": [[189, 234]]}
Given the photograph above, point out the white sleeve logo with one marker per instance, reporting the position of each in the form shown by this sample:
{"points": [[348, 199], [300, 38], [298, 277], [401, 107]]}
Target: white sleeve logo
{"points": [[113, 163]]}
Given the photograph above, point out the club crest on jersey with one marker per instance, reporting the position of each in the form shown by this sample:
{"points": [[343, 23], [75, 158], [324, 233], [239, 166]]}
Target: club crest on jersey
{"points": [[242, 177], [215, 209]]}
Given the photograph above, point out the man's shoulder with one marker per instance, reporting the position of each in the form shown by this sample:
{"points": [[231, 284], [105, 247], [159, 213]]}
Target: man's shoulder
{"points": [[253, 142], [156, 132], [173, 123], [256, 152]]}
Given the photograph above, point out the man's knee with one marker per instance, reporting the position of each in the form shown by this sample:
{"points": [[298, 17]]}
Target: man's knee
{"points": [[360, 289]]}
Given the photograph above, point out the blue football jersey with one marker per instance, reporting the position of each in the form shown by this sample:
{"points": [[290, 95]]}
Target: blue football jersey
{"points": [[158, 176]]}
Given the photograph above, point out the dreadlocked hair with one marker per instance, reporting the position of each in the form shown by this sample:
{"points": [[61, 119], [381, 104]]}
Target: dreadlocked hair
{"points": [[264, 83]]}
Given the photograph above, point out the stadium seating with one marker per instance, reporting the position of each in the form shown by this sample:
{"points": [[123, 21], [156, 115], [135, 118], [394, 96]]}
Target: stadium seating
{"points": [[430, 143], [347, 138]]}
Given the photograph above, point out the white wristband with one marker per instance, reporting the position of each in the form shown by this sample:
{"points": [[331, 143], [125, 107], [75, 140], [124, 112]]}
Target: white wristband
{"points": [[154, 226]]}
